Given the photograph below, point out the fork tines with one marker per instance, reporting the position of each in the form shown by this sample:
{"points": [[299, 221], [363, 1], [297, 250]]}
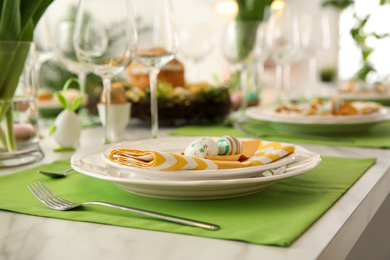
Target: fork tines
{"points": [[46, 196]]}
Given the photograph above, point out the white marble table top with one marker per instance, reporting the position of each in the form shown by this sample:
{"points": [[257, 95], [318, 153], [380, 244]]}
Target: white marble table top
{"points": [[331, 237]]}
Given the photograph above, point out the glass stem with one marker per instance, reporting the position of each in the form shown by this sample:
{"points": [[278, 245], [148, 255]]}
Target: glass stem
{"points": [[196, 73], [279, 79], [107, 92], [312, 88], [287, 81], [153, 101], [244, 90], [82, 77]]}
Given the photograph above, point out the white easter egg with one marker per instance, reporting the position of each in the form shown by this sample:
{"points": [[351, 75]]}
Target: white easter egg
{"points": [[202, 147], [229, 145], [68, 129]]}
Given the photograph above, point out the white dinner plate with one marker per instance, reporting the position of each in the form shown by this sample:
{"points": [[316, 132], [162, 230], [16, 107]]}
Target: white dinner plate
{"points": [[177, 146], [318, 124], [89, 162], [383, 98]]}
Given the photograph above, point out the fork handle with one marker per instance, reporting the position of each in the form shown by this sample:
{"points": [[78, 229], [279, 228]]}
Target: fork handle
{"points": [[184, 221]]}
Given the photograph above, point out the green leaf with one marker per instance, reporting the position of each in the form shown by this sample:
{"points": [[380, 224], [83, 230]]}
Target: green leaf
{"points": [[64, 149], [251, 10], [52, 129], [76, 103], [62, 100], [12, 60], [9, 130], [367, 52], [338, 4], [28, 33], [1, 6], [31, 11], [10, 25], [380, 36], [363, 72], [384, 2]]}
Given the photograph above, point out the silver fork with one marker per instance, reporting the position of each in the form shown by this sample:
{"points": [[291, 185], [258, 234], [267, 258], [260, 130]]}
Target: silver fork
{"points": [[53, 201]]}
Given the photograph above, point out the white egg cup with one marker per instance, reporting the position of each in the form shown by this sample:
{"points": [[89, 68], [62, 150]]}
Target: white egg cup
{"points": [[118, 118]]}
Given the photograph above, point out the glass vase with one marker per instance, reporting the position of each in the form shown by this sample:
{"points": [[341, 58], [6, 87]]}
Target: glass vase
{"points": [[19, 137]]}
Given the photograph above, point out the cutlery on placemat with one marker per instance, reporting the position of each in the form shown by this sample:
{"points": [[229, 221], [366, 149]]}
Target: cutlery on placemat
{"points": [[55, 202], [256, 135]]}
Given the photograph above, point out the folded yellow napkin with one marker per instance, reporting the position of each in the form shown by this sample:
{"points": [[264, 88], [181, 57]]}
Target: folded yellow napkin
{"points": [[254, 153]]}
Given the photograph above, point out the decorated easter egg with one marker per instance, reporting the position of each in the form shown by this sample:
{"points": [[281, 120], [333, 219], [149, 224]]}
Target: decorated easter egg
{"points": [[202, 147], [229, 145]]}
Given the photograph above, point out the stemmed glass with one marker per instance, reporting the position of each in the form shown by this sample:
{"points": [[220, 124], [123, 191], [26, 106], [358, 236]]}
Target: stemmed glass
{"points": [[43, 42], [105, 41], [65, 51], [244, 45], [195, 44], [315, 35], [157, 45], [284, 43]]}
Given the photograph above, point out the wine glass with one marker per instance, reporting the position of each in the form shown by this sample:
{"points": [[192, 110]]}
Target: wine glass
{"points": [[315, 35], [105, 41], [244, 45], [65, 51], [43, 40], [284, 43], [195, 44], [157, 45]]}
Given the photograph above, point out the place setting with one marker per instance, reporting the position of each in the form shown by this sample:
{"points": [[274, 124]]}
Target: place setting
{"points": [[297, 177], [218, 177], [323, 116]]}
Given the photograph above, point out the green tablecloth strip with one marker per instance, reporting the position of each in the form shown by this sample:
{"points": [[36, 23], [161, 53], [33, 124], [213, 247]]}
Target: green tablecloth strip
{"points": [[276, 216], [377, 137]]}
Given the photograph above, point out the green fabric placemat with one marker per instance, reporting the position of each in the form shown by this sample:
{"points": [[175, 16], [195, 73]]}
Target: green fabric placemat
{"points": [[377, 137], [276, 216]]}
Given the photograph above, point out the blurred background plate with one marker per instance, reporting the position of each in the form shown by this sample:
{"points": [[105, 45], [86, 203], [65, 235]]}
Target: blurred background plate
{"points": [[318, 124]]}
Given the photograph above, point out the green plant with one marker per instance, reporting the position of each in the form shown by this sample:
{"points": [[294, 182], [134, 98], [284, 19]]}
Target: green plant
{"points": [[328, 74], [360, 36], [249, 11], [18, 19]]}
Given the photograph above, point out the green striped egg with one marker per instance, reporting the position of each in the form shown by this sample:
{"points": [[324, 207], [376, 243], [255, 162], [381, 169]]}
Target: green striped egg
{"points": [[229, 145]]}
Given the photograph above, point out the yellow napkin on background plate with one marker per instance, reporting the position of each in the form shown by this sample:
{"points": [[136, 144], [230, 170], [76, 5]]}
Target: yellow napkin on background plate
{"points": [[255, 153]]}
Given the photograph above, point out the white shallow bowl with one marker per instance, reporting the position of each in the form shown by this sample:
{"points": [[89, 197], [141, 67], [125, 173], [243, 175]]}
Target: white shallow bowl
{"points": [[178, 145], [89, 162]]}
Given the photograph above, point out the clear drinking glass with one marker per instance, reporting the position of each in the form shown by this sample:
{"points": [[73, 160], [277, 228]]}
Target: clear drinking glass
{"points": [[284, 43], [157, 45], [43, 41], [65, 51], [105, 40], [19, 135], [244, 45], [315, 35], [195, 44]]}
